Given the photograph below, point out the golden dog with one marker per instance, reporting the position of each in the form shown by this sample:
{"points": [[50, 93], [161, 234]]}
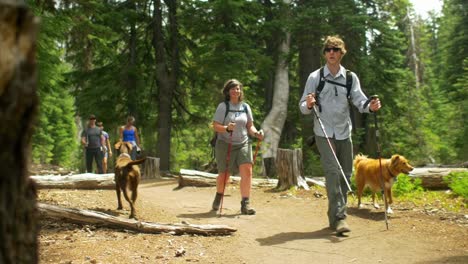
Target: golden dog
{"points": [[367, 172], [127, 176]]}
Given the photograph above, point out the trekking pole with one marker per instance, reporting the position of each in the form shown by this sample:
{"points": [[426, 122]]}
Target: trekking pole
{"points": [[333, 151], [377, 134], [228, 157], [259, 142]]}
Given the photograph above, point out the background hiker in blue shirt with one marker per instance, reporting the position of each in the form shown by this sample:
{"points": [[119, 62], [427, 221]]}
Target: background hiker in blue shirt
{"points": [[129, 133]]}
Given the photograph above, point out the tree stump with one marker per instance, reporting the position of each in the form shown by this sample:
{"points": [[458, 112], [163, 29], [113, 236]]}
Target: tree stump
{"points": [[18, 111], [289, 168], [151, 168]]}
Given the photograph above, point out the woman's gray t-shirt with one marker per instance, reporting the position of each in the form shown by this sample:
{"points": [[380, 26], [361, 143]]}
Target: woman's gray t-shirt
{"points": [[240, 114]]}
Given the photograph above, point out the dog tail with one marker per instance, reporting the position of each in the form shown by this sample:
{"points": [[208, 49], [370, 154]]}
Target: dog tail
{"points": [[357, 159], [136, 162]]}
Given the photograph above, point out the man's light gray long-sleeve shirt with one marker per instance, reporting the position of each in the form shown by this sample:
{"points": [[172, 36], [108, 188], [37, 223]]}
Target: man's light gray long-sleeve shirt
{"points": [[335, 114]]}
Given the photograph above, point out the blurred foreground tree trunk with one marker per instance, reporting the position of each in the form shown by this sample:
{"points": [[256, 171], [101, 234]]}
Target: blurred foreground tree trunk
{"points": [[18, 110]]}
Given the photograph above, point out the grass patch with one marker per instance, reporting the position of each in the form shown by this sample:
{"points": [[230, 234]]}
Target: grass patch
{"points": [[407, 190]]}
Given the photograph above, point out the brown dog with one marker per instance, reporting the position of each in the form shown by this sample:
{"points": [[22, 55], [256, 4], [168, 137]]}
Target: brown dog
{"points": [[127, 176], [367, 172]]}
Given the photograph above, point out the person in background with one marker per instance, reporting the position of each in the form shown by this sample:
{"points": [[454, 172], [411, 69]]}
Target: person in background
{"points": [[92, 140], [106, 149], [129, 133], [334, 114], [233, 128]]}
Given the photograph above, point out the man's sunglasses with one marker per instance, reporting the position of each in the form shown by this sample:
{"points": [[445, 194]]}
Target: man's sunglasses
{"points": [[330, 49]]}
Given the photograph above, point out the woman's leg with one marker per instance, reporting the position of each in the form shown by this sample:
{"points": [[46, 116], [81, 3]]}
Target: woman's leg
{"points": [[223, 173], [245, 171], [222, 182], [104, 163]]}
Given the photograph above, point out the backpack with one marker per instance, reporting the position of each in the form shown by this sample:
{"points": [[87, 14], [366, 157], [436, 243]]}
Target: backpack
{"points": [[349, 84], [243, 110]]}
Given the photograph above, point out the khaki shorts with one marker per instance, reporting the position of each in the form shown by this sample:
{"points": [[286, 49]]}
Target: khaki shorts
{"points": [[240, 154]]}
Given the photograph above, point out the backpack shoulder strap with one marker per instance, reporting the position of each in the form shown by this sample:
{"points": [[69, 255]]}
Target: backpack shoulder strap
{"points": [[349, 82], [227, 109], [321, 82], [319, 89], [246, 109]]}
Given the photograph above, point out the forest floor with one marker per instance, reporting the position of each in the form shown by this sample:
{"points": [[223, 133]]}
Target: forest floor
{"points": [[290, 227]]}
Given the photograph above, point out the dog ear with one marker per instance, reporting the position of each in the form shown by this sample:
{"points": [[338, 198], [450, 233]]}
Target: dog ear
{"points": [[395, 158], [117, 145]]}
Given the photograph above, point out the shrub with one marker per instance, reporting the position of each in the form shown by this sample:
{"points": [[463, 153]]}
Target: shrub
{"points": [[405, 185], [458, 182]]}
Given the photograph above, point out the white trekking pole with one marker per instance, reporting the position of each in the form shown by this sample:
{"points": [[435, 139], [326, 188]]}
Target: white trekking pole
{"points": [[333, 151]]}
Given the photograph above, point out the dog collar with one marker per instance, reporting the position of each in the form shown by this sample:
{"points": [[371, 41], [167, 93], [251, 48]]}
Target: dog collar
{"points": [[391, 174], [125, 154]]}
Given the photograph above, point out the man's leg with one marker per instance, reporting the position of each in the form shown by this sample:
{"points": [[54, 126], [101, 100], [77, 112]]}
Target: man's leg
{"points": [[336, 203], [345, 156], [89, 160], [98, 158]]}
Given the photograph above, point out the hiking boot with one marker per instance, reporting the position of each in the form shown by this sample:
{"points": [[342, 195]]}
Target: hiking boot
{"points": [[245, 208], [217, 201], [342, 227]]}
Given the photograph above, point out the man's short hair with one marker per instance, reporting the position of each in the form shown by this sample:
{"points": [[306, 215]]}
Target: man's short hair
{"points": [[334, 42]]}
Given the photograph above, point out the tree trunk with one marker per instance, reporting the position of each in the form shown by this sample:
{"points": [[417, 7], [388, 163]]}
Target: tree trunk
{"points": [[151, 168], [131, 69], [309, 47], [167, 67], [274, 122], [290, 169], [102, 219], [270, 51], [18, 111]]}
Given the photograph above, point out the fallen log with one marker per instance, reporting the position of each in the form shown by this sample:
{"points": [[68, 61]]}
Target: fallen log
{"points": [[101, 219], [202, 179], [196, 181], [432, 178], [312, 182], [78, 181], [205, 179]]}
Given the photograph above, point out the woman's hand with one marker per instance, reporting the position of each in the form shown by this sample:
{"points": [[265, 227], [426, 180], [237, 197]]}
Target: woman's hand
{"points": [[230, 127], [259, 134]]}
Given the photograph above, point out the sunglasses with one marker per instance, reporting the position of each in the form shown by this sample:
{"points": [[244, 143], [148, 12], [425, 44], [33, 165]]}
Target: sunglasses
{"points": [[330, 49]]}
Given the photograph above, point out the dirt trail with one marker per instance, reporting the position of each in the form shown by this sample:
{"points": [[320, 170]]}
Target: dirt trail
{"points": [[287, 228], [291, 229]]}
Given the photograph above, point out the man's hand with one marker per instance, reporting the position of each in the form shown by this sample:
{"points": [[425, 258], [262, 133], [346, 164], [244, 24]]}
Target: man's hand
{"points": [[310, 100], [375, 105]]}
